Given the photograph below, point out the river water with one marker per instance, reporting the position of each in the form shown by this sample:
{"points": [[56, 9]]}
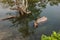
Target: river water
{"points": [[21, 28]]}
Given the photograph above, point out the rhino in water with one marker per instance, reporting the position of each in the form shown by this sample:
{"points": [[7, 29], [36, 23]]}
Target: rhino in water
{"points": [[39, 20]]}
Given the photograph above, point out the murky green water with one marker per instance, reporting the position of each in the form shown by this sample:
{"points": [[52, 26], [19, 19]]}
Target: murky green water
{"points": [[21, 28]]}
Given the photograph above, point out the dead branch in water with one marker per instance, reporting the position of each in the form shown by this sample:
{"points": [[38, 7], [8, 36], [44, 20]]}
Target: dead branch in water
{"points": [[40, 20], [9, 17]]}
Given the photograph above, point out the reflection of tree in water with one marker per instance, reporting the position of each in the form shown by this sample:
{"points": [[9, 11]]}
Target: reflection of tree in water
{"points": [[25, 19], [32, 2], [51, 2], [43, 3], [54, 2], [22, 21]]}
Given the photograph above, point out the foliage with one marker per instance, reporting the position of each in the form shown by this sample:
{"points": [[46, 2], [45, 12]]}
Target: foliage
{"points": [[32, 1], [54, 36], [10, 2]]}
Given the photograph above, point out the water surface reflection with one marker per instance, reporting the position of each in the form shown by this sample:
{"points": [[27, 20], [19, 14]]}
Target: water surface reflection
{"points": [[24, 24]]}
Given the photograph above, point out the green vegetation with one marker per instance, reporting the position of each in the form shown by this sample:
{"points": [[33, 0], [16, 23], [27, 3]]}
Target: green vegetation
{"points": [[10, 2], [54, 36]]}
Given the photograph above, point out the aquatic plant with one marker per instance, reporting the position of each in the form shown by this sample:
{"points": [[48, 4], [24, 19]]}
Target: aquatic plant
{"points": [[54, 36]]}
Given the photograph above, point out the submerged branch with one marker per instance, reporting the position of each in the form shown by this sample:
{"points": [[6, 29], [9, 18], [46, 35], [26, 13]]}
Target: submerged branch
{"points": [[6, 18]]}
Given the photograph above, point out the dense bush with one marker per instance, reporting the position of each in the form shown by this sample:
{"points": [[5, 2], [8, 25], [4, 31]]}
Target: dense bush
{"points": [[54, 36]]}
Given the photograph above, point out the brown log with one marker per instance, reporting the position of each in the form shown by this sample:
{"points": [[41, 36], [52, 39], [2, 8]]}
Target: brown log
{"points": [[6, 18], [40, 20]]}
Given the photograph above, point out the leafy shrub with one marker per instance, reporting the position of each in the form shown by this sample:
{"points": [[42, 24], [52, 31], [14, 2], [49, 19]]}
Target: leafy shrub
{"points": [[54, 36]]}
